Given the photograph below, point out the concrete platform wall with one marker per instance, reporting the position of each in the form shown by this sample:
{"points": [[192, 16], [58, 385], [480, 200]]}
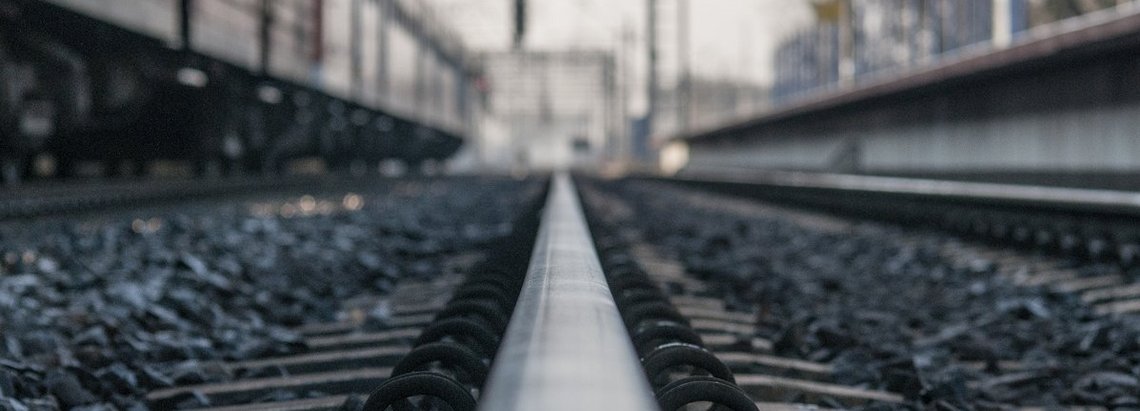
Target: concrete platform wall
{"points": [[1100, 139], [1060, 110]]}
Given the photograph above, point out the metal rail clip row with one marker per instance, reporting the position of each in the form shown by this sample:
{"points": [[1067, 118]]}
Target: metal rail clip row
{"points": [[452, 356], [663, 338]]}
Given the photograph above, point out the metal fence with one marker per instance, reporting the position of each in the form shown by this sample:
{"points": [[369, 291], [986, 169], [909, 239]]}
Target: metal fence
{"points": [[857, 40]]}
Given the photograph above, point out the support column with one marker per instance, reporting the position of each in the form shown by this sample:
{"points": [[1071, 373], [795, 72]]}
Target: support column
{"points": [[356, 67], [684, 95], [417, 32], [651, 84], [846, 45], [1002, 31], [265, 36], [185, 19], [384, 20]]}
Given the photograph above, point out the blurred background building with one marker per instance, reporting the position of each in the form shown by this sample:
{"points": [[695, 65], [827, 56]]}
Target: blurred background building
{"points": [[550, 110], [714, 62], [712, 65], [539, 84]]}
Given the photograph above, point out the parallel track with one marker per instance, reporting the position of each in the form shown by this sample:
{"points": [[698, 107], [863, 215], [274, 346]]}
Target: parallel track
{"points": [[1093, 225], [1084, 223], [38, 200]]}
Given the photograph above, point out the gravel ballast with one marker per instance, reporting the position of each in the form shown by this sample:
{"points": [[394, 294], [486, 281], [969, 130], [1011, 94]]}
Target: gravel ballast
{"points": [[888, 309], [96, 311]]}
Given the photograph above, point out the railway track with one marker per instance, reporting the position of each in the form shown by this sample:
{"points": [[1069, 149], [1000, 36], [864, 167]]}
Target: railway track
{"points": [[579, 308], [1091, 224], [1003, 224], [618, 326]]}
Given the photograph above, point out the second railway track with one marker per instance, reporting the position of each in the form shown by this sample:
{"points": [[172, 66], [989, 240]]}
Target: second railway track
{"points": [[44, 199]]}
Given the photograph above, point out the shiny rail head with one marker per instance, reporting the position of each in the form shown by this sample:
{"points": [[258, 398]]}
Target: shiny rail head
{"points": [[566, 347]]}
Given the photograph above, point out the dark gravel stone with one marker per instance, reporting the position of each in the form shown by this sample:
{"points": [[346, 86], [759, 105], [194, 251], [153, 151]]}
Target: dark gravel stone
{"points": [[888, 314], [96, 311], [902, 376], [277, 395], [7, 383], [67, 389], [120, 378], [12, 404], [352, 403], [192, 399], [96, 407], [1107, 387]]}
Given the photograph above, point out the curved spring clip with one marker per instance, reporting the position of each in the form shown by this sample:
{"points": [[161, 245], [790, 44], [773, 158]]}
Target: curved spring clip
{"points": [[451, 358], [452, 355], [665, 341]]}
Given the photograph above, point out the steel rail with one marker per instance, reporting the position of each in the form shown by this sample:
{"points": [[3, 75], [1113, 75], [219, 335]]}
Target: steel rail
{"points": [[566, 347]]}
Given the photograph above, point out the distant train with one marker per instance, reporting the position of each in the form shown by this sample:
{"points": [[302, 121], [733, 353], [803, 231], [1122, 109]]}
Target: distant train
{"points": [[227, 85]]}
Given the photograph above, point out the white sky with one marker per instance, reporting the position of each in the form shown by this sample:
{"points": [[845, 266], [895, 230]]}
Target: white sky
{"points": [[729, 38]]}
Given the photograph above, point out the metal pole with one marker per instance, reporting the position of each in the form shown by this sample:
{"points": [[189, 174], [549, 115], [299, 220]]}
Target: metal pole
{"points": [[185, 19], [265, 38], [611, 111], [742, 77], [357, 75], [651, 84], [684, 95], [566, 347], [1002, 23], [419, 63], [316, 57], [385, 19], [627, 38], [520, 25], [846, 45]]}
